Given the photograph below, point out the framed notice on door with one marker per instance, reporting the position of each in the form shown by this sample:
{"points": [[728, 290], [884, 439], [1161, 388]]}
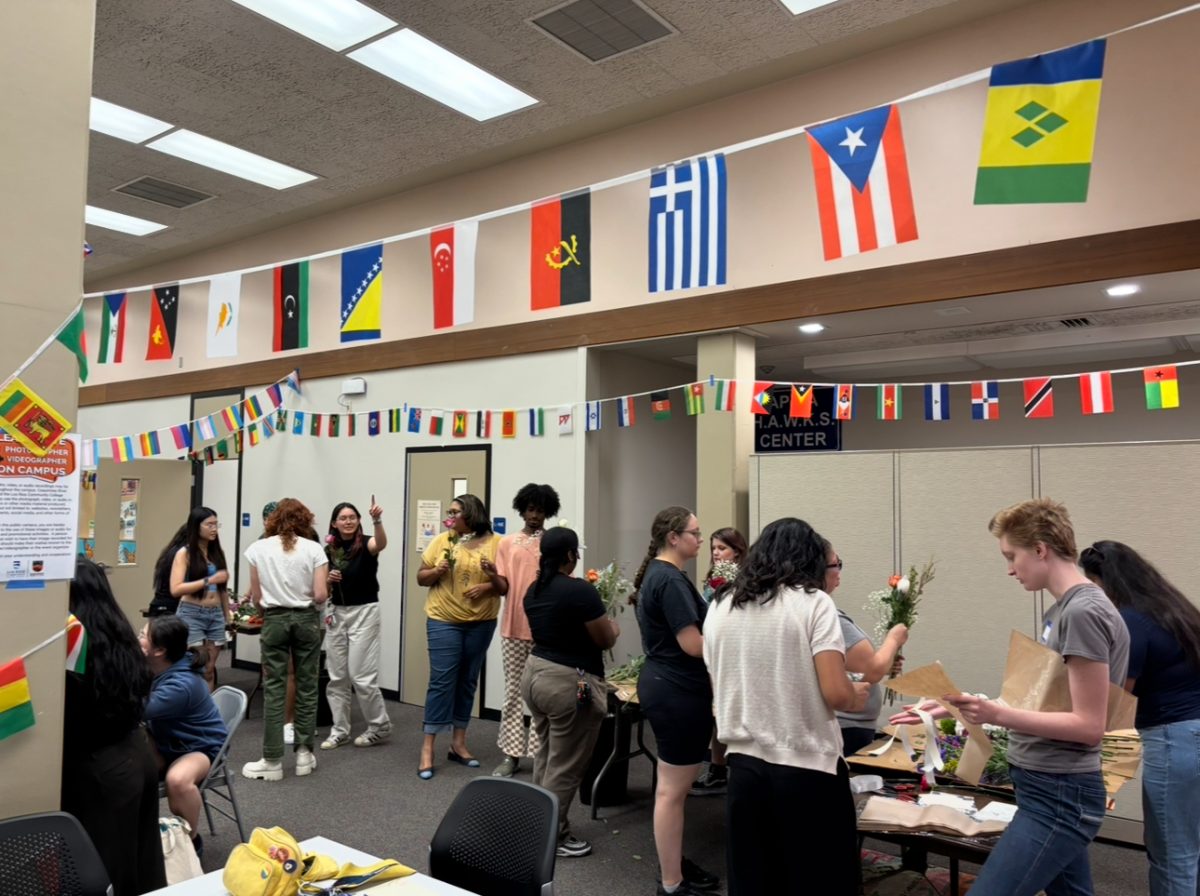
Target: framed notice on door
{"points": [[127, 541], [429, 524]]}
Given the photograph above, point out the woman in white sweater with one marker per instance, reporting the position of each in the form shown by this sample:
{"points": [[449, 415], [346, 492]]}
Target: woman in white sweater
{"points": [[775, 652]]}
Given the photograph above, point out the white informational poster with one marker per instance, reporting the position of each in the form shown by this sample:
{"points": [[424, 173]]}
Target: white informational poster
{"points": [[39, 511], [429, 523]]}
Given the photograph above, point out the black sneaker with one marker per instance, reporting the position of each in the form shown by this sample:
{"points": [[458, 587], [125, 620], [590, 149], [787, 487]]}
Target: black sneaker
{"points": [[711, 783], [684, 889], [572, 848], [695, 879]]}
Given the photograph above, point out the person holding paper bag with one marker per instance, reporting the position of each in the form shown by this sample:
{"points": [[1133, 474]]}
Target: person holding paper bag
{"points": [[1164, 674], [1054, 757], [774, 648]]}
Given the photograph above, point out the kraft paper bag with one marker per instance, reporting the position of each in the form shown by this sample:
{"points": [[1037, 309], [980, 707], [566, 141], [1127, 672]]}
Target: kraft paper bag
{"points": [[884, 814]]}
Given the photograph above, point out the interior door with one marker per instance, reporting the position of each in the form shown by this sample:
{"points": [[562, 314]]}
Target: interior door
{"points": [[434, 476]]}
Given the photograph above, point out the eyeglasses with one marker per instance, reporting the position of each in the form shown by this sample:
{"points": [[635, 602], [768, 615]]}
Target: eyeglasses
{"points": [[695, 532], [347, 519], [837, 565], [453, 512], [210, 525]]}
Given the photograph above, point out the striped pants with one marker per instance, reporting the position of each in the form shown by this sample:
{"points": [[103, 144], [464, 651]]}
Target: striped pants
{"points": [[516, 737]]}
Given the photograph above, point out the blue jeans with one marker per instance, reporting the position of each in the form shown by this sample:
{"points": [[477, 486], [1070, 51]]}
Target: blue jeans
{"points": [[204, 623], [1046, 845], [456, 652], [1171, 806]]}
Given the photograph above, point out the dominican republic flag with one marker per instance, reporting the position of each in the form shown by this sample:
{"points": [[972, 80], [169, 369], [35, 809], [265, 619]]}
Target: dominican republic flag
{"points": [[452, 251], [861, 173], [1039, 397], [625, 411], [688, 224], [845, 401], [937, 401], [985, 400], [560, 251], [1095, 391], [112, 330], [594, 419], [164, 312]]}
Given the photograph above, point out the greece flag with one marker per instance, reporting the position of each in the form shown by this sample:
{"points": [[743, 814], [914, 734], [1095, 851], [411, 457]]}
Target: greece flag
{"points": [[688, 224]]}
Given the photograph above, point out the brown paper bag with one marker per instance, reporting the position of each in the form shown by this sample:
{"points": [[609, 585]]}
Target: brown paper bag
{"points": [[883, 814]]}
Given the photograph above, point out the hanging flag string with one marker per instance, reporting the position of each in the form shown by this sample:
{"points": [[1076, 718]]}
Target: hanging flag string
{"points": [[50, 340]]}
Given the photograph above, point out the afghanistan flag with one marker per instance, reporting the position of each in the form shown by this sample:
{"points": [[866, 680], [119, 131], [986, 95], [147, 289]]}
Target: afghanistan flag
{"points": [[291, 306], [560, 271], [1040, 127], [164, 312]]}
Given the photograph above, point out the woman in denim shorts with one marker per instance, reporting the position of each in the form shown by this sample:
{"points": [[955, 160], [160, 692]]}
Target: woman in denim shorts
{"points": [[199, 578]]}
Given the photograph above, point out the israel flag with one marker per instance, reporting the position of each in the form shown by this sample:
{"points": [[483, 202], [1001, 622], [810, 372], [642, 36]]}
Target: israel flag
{"points": [[688, 224], [594, 419]]}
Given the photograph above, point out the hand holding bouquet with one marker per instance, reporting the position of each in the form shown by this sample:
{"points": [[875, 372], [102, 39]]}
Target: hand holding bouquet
{"points": [[897, 605]]}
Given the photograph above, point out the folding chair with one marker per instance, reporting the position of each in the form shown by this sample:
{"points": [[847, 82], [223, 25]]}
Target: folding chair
{"points": [[498, 838], [50, 854]]}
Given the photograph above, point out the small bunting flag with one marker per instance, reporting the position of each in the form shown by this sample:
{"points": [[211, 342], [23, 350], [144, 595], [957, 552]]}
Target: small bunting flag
{"points": [[483, 425], [594, 418], [660, 405], [459, 427], [1039, 397], [77, 645], [845, 401], [414, 420], [254, 436], [232, 418], [1162, 388], [508, 424], [314, 424], [396, 420], [16, 706], [695, 399], [800, 405], [435, 422], [725, 395], [298, 424], [334, 426], [537, 422], [625, 415], [207, 428], [1095, 392], [761, 401], [985, 400], [566, 420], [373, 423], [937, 401], [889, 402]]}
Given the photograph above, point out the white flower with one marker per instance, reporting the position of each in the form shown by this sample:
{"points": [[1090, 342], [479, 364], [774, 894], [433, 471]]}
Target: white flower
{"points": [[903, 585], [564, 523]]}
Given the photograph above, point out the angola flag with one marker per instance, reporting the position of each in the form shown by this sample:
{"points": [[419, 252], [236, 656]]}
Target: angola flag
{"points": [[291, 306], [164, 312], [560, 271]]}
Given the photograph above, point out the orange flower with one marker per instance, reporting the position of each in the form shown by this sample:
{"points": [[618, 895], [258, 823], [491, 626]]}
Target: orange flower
{"points": [[593, 576], [894, 580]]}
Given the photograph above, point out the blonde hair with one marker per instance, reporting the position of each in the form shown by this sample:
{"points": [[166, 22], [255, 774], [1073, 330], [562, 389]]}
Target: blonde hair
{"points": [[1038, 520]]}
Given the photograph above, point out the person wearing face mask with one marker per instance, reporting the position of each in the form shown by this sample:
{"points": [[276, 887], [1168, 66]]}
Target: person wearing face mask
{"points": [[352, 639], [516, 569]]}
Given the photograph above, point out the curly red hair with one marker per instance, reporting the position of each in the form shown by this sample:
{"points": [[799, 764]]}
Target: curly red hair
{"points": [[289, 520]]}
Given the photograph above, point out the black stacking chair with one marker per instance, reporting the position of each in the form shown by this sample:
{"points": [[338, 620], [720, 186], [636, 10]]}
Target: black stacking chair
{"points": [[498, 838], [50, 854]]}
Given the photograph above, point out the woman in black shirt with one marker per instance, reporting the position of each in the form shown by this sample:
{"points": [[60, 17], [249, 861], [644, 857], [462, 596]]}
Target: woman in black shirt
{"points": [[563, 682], [352, 642]]}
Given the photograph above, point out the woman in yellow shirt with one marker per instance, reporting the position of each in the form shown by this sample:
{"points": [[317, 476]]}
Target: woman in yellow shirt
{"points": [[459, 570]]}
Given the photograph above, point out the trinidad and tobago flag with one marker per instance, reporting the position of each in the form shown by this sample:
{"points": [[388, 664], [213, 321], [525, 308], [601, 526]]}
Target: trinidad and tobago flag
{"points": [[560, 262]]}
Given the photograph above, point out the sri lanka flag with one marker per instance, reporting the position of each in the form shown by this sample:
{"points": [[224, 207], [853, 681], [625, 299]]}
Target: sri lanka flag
{"points": [[1040, 127], [362, 293], [861, 173]]}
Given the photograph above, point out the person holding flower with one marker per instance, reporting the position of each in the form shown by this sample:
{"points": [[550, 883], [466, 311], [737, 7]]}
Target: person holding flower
{"points": [[516, 569], [460, 572], [352, 637]]}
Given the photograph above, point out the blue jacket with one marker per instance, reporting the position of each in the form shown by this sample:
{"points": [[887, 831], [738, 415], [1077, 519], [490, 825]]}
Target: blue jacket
{"points": [[181, 713]]}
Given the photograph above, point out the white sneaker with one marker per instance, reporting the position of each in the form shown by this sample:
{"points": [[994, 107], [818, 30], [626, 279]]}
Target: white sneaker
{"points": [[334, 741], [264, 770], [306, 761], [289, 733], [372, 736]]}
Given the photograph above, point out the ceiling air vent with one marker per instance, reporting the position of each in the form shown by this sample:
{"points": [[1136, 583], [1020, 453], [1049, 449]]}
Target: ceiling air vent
{"points": [[601, 29], [1075, 323], [163, 192]]}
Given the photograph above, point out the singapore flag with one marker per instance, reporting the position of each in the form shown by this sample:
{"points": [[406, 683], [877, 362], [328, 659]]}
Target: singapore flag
{"points": [[453, 255]]}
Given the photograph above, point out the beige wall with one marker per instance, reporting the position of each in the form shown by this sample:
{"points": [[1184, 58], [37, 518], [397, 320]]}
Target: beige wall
{"points": [[773, 220], [46, 65]]}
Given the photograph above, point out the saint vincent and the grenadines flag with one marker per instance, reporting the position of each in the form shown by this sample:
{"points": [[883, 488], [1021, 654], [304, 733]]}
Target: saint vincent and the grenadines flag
{"points": [[291, 307], [362, 293], [164, 312], [1040, 127], [560, 250]]}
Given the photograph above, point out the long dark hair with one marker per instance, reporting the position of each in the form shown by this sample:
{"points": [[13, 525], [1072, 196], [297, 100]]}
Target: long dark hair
{"points": [[358, 540], [731, 537], [116, 673], [162, 566], [558, 544], [474, 514], [171, 634], [788, 554], [668, 520], [197, 566], [1131, 581]]}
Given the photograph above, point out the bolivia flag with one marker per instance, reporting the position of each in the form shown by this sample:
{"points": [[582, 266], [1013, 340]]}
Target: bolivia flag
{"points": [[889, 402], [16, 706], [1162, 388], [452, 251], [801, 403], [1040, 127], [560, 251]]}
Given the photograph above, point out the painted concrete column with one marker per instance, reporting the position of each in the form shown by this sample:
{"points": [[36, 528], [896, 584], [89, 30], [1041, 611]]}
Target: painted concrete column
{"points": [[724, 441]]}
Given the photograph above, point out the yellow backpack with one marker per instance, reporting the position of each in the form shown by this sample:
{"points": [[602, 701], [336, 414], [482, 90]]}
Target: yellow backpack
{"points": [[274, 864]]}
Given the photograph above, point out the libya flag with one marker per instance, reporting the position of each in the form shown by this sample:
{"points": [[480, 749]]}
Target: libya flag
{"points": [[291, 306], [164, 312], [560, 264]]}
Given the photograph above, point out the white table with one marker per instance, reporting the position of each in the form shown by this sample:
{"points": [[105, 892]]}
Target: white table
{"points": [[414, 885]]}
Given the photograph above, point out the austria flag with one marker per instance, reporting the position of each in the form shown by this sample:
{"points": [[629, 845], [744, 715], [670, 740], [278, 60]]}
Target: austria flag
{"points": [[560, 265], [452, 251]]}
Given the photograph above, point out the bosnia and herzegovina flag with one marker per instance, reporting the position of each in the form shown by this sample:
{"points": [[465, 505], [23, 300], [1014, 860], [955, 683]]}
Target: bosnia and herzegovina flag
{"points": [[1040, 127], [560, 251], [362, 293]]}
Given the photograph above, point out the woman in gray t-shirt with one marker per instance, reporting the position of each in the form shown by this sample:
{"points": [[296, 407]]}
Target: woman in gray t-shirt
{"points": [[1054, 756]]}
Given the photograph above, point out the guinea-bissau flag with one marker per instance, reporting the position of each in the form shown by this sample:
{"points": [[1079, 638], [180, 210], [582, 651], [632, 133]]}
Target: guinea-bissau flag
{"points": [[291, 306], [1040, 127], [560, 251], [164, 312]]}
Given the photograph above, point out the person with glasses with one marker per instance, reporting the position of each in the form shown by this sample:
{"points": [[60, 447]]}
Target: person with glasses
{"points": [[200, 578], [352, 640], [673, 688], [858, 727]]}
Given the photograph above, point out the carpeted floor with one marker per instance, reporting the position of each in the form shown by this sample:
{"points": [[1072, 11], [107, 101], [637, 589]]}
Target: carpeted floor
{"points": [[372, 799]]}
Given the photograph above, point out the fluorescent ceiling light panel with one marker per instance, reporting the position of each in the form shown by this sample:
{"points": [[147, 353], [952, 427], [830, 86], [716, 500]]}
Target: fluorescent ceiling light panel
{"points": [[798, 6], [124, 124], [102, 217], [427, 68], [336, 24], [812, 328], [212, 153], [1123, 289]]}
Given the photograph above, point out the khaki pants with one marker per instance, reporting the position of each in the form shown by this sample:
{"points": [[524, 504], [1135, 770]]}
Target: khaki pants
{"points": [[567, 730], [352, 658]]}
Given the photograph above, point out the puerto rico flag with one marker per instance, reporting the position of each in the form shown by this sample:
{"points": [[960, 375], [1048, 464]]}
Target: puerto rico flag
{"points": [[861, 173], [985, 400]]}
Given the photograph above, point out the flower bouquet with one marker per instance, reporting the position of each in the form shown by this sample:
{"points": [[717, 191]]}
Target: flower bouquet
{"points": [[897, 605], [723, 573], [951, 739], [246, 616], [613, 587]]}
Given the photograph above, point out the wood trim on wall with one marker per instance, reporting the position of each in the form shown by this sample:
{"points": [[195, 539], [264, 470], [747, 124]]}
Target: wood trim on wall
{"points": [[1146, 250]]}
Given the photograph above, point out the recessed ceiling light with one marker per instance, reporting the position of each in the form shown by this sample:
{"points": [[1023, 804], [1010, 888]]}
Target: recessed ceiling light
{"points": [[427, 68], [124, 124], [811, 328], [798, 6], [102, 217], [212, 153], [1123, 289], [336, 24]]}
